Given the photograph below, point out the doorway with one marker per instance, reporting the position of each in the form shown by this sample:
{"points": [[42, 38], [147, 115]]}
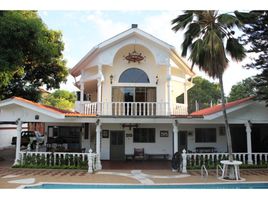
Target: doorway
{"points": [[182, 137], [117, 145]]}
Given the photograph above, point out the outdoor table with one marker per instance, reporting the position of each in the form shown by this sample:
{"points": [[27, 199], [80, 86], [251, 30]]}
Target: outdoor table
{"points": [[234, 163]]}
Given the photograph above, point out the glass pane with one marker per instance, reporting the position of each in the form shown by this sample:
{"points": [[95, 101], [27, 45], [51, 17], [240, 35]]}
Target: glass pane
{"points": [[128, 94], [144, 135], [150, 94], [134, 75], [140, 94], [205, 135]]}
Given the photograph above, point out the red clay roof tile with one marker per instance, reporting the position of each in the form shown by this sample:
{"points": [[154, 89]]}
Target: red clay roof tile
{"points": [[218, 108]]}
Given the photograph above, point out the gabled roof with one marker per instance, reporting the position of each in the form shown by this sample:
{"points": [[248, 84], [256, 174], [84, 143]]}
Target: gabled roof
{"points": [[119, 37], [218, 108], [55, 112]]}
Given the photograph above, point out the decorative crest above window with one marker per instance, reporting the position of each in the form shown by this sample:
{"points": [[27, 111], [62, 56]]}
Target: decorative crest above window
{"points": [[134, 56]]}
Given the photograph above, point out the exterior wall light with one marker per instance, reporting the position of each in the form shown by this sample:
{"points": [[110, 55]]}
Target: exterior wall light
{"points": [[157, 80], [111, 79], [36, 117]]}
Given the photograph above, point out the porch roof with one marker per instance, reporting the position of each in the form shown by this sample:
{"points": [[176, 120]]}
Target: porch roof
{"points": [[41, 107], [218, 108]]}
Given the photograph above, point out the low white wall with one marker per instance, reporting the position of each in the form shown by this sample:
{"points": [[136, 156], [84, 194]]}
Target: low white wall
{"points": [[7, 131]]}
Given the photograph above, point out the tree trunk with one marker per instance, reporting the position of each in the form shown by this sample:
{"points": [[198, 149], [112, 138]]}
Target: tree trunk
{"points": [[227, 128]]}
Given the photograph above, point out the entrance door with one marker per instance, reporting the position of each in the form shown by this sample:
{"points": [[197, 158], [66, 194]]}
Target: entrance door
{"points": [[117, 145], [182, 140]]}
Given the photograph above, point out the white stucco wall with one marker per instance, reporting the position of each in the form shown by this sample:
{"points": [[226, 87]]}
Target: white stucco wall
{"points": [[162, 145], [220, 144], [7, 131], [113, 63]]}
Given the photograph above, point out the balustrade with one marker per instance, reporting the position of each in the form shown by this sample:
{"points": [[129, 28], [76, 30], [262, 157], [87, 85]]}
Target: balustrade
{"points": [[132, 108]]}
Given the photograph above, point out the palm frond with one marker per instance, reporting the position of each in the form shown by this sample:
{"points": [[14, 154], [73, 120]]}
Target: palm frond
{"points": [[197, 52], [182, 21], [235, 49], [228, 20]]}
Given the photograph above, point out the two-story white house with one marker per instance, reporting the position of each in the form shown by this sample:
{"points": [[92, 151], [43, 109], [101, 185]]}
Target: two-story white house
{"points": [[131, 82], [128, 89]]}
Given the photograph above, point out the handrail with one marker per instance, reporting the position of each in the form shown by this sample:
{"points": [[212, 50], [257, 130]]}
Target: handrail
{"points": [[204, 169], [217, 170]]}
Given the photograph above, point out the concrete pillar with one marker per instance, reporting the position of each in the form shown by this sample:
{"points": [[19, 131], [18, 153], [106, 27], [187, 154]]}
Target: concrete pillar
{"points": [[82, 88], [100, 79], [18, 142], [98, 133], [169, 88], [185, 92], [175, 138], [98, 143], [184, 161], [249, 144]]}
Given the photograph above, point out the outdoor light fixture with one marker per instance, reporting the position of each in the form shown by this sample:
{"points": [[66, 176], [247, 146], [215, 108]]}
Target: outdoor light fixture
{"points": [[36, 117], [111, 79], [157, 79]]}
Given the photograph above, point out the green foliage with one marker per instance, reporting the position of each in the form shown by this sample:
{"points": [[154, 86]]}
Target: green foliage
{"points": [[256, 36], [30, 55], [61, 99], [210, 44], [245, 88], [53, 162], [203, 92], [210, 36]]}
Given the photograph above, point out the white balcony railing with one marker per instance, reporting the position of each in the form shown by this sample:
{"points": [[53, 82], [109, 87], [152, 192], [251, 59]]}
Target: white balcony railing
{"points": [[180, 109], [131, 108]]}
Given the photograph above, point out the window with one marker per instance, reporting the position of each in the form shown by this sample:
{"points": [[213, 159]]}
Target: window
{"points": [[144, 135], [134, 75], [205, 135], [134, 94]]}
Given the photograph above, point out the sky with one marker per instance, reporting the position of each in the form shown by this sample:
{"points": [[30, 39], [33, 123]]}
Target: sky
{"points": [[84, 29]]}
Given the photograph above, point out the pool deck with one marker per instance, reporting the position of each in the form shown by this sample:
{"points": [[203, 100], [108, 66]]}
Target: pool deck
{"points": [[13, 178]]}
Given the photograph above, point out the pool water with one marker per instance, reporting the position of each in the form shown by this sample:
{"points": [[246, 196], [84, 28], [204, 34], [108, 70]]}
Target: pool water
{"points": [[188, 186]]}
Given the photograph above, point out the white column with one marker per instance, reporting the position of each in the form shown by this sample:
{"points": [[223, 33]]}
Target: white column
{"points": [[169, 87], [184, 161], [82, 88], [98, 142], [98, 132], [185, 92], [18, 142], [100, 79], [249, 145], [175, 138]]}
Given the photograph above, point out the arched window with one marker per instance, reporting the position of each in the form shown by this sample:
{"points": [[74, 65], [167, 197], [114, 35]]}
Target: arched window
{"points": [[134, 75]]}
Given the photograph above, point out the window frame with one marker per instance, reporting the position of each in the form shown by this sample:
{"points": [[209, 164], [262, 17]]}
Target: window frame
{"points": [[142, 135], [204, 137], [126, 73]]}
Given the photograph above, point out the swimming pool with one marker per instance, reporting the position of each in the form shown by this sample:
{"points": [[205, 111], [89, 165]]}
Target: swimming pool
{"points": [[263, 185]]}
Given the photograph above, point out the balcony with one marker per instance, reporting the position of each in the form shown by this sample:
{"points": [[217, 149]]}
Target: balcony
{"points": [[130, 108]]}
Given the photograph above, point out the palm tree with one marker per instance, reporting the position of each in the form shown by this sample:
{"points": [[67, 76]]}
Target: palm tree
{"points": [[210, 37]]}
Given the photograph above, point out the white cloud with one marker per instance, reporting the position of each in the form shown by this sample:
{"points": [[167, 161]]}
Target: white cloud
{"points": [[106, 27]]}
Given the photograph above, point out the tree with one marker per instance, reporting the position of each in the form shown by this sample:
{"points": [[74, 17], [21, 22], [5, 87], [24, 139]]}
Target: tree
{"points": [[30, 55], [203, 92], [242, 89], [61, 99], [256, 36], [210, 36]]}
